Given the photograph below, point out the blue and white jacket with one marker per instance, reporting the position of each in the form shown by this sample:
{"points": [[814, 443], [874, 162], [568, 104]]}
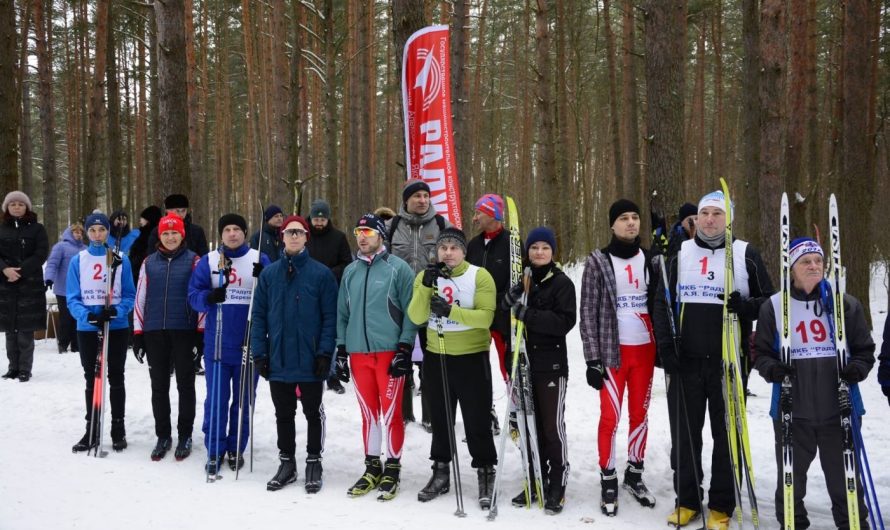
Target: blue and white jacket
{"points": [[86, 288]]}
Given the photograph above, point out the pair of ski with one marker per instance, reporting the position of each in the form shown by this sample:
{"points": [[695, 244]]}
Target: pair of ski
{"points": [[113, 261], [520, 401], [853, 448]]}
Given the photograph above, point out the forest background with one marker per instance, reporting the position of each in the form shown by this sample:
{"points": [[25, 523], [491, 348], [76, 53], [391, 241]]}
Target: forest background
{"points": [[566, 105]]}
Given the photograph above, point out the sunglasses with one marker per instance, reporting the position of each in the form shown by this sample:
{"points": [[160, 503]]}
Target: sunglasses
{"points": [[366, 232], [294, 232]]}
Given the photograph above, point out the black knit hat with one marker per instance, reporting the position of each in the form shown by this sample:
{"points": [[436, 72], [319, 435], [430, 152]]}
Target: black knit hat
{"points": [[413, 186], [622, 206], [232, 219], [176, 201], [152, 214], [373, 222], [454, 235], [686, 210]]}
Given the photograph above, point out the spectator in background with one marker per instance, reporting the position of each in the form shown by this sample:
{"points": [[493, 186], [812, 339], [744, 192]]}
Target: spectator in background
{"points": [[272, 218], [55, 277]]}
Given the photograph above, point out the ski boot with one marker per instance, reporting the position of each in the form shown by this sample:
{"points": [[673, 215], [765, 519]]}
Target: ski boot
{"points": [[24, 377], [682, 517], [633, 483], [718, 520], [438, 484], [287, 473], [371, 478], [118, 435], [609, 492], [213, 467], [313, 474], [85, 444], [485, 477], [161, 448], [389, 482], [334, 385], [555, 499], [183, 448], [520, 501], [236, 460]]}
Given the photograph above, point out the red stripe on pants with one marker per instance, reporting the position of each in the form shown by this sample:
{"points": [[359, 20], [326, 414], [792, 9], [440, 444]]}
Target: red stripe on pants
{"points": [[380, 400], [634, 374]]}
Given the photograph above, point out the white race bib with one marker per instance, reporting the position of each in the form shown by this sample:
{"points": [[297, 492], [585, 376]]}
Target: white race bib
{"points": [[810, 334], [459, 291], [701, 272], [93, 273], [630, 283], [240, 276]]}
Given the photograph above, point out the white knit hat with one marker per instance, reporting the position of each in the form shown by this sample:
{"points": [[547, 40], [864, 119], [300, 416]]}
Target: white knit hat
{"points": [[16, 196]]}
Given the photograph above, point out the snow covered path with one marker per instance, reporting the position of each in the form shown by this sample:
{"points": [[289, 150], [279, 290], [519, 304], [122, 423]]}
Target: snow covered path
{"points": [[43, 485]]}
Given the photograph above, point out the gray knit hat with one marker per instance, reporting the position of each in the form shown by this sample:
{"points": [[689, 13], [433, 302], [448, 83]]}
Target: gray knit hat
{"points": [[16, 196]]}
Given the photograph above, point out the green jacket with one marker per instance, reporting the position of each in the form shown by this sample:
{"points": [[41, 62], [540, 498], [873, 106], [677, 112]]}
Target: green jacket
{"points": [[478, 318], [372, 305]]}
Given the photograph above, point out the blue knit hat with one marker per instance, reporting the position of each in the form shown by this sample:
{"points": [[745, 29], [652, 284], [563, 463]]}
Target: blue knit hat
{"points": [[373, 222], [541, 234], [271, 211], [96, 219], [801, 246]]}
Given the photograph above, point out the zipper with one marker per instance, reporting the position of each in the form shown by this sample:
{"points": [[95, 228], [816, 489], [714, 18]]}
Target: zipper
{"points": [[365, 310], [166, 290]]}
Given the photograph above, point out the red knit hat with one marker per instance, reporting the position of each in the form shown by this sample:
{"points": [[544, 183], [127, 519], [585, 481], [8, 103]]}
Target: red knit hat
{"points": [[171, 222], [290, 219]]}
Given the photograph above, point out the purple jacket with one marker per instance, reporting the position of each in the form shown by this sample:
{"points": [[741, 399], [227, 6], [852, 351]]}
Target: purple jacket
{"points": [[59, 258]]}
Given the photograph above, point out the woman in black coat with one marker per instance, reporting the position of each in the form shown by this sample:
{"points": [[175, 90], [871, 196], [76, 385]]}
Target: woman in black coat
{"points": [[549, 314], [24, 247]]}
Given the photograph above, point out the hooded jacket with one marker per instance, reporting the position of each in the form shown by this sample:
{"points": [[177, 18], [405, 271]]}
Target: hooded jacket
{"points": [[414, 239], [59, 259], [294, 317]]}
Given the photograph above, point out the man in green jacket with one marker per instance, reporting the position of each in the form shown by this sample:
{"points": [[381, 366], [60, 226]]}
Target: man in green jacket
{"points": [[375, 335], [457, 300]]}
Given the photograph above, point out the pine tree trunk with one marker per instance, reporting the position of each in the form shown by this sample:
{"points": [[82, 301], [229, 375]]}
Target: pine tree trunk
{"points": [[622, 185], [630, 106], [460, 103], [797, 116], [95, 137], [23, 84], [9, 108], [283, 179], [42, 22], [408, 16], [665, 43], [330, 100], [115, 178], [546, 169], [195, 112], [750, 118]]}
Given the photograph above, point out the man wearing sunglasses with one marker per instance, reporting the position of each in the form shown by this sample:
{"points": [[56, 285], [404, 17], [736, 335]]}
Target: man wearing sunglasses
{"points": [[374, 328], [294, 324]]}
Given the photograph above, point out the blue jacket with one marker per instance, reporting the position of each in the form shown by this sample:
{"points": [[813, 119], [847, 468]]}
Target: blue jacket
{"points": [[162, 292], [294, 317], [59, 258], [126, 241], [234, 316], [81, 312]]}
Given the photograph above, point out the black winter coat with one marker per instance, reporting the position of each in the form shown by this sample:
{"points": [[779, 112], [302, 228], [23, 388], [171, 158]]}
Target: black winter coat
{"points": [[330, 247], [551, 314], [272, 243], [23, 243], [195, 239], [495, 258]]}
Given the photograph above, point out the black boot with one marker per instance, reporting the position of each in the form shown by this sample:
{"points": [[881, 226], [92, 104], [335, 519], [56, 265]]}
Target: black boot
{"points": [[389, 483], [313, 473], [554, 499], [335, 385], [485, 478], [633, 482], [609, 492], [370, 479], [11, 374], [85, 443], [161, 448], [521, 502], [213, 466], [287, 473], [183, 448], [118, 435], [439, 483], [24, 377], [236, 460]]}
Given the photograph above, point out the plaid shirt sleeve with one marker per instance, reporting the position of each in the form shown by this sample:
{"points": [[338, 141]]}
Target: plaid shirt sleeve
{"points": [[599, 321]]}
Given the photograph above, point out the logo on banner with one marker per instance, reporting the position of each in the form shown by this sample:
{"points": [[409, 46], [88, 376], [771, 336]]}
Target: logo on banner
{"points": [[429, 79]]}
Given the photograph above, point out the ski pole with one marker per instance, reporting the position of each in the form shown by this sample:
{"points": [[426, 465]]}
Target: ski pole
{"points": [[868, 485], [223, 273]]}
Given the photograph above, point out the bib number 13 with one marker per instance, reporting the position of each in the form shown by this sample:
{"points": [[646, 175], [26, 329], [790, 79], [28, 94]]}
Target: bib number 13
{"points": [[704, 268]]}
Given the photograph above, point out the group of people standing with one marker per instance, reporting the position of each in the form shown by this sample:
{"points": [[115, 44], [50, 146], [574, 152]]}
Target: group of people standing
{"points": [[417, 292]]}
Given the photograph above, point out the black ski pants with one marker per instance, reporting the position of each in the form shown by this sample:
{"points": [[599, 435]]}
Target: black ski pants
{"points": [[550, 405], [66, 331], [701, 380], [469, 383], [90, 347], [808, 438], [284, 398], [166, 347], [20, 350]]}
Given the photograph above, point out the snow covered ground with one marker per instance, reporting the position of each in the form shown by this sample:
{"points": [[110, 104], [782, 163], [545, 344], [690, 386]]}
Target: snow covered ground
{"points": [[43, 485]]}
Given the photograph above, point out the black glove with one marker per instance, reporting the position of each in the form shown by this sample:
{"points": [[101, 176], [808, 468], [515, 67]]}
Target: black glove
{"points": [[257, 269], [139, 347], [198, 345], [440, 307], [106, 314], [596, 373], [735, 303], [854, 372], [217, 296], [401, 361], [511, 297], [322, 367], [430, 274], [261, 365], [520, 309], [777, 371], [342, 369], [670, 363], [49, 284]]}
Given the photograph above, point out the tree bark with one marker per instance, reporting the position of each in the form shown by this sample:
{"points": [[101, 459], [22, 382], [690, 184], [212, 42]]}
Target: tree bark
{"points": [[408, 16], [798, 70], [546, 170], [622, 184], [630, 107], [282, 178], [42, 22], [23, 82], [173, 131], [750, 118], [460, 104], [95, 136], [9, 108], [115, 178], [665, 42]]}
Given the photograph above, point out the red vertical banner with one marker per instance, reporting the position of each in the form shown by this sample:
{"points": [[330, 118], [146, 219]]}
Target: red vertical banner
{"points": [[426, 97]]}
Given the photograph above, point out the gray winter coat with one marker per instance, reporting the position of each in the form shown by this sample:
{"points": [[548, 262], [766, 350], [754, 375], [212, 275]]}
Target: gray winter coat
{"points": [[415, 236]]}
